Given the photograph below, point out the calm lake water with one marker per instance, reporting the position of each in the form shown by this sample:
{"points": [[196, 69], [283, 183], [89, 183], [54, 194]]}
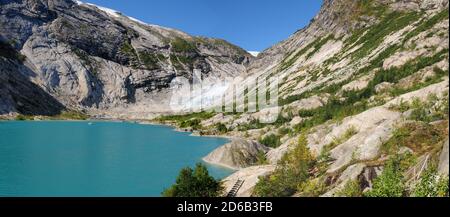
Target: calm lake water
{"points": [[60, 158]]}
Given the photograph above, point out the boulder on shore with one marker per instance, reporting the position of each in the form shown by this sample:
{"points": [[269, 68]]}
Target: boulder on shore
{"points": [[237, 154]]}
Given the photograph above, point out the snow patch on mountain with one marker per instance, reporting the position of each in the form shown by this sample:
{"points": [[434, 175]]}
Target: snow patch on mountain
{"points": [[254, 53]]}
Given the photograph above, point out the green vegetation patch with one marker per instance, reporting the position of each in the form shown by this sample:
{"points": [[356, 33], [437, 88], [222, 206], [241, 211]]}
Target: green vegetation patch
{"points": [[393, 75], [192, 120], [427, 24], [334, 110], [418, 136], [438, 76], [312, 188], [431, 184], [292, 171], [316, 45], [376, 34], [350, 189], [271, 140], [391, 182], [180, 45], [151, 60], [65, 115], [195, 183]]}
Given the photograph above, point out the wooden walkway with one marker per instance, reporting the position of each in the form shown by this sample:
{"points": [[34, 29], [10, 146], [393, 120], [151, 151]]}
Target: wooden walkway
{"points": [[233, 192]]}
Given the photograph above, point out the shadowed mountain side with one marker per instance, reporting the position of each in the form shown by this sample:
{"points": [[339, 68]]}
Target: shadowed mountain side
{"points": [[19, 94]]}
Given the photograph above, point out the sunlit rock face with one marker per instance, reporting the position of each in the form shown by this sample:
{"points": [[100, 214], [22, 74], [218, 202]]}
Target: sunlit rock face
{"points": [[98, 60]]}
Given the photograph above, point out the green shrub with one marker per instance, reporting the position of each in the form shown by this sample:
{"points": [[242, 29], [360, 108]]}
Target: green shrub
{"points": [[316, 44], [253, 124], [390, 183], [127, 48], [350, 189], [442, 187], [187, 119], [431, 184], [335, 110], [151, 60], [261, 158], [192, 123], [271, 140], [180, 45], [312, 188], [306, 113], [221, 128], [71, 115], [375, 35], [292, 171], [427, 24], [284, 131], [21, 117], [194, 183]]}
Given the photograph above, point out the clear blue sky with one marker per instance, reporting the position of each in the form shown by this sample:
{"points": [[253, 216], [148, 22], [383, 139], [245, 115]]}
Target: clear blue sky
{"points": [[251, 24]]}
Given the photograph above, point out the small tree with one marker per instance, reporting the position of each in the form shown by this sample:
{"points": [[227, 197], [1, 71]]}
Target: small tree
{"points": [[194, 183], [271, 140], [292, 172]]}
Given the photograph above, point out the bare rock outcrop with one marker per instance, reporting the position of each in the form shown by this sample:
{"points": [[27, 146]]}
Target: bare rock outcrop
{"points": [[443, 160], [237, 154]]}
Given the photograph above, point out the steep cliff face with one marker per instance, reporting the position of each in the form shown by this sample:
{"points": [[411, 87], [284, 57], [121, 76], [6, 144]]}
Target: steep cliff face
{"points": [[19, 94], [95, 59]]}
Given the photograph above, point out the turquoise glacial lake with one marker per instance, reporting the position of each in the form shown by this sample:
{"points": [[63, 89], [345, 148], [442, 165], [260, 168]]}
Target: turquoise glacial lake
{"points": [[62, 158]]}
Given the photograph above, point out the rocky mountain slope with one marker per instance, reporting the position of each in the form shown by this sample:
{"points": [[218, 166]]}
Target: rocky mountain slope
{"points": [[365, 83], [102, 62]]}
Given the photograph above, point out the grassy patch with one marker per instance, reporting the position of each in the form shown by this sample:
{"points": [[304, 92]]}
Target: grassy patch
{"points": [[21, 117], [418, 136], [151, 60], [192, 120], [180, 45], [393, 75], [128, 50], [427, 24], [271, 140], [376, 34], [438, 76], [431, 184], [312, 188], [334, 110], [432, 109], [261, 158], [65, 115], [319, 44], [253, 124], [293, 170], [72, 115], [391, 182], [350, 189], [221, 128], [316, 45]]}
